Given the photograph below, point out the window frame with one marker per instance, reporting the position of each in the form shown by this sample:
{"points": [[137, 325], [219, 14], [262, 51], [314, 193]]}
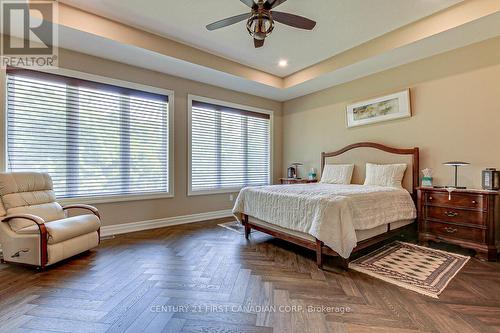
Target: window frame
{"points": [[109, 81], [192, 98]]}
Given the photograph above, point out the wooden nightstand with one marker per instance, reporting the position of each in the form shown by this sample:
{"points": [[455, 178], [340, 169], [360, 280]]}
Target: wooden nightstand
{"points": [[469, 218], [296, 181]]}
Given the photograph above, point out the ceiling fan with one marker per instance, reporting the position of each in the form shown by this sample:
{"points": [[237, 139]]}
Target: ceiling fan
{"points": [[260, 21]]}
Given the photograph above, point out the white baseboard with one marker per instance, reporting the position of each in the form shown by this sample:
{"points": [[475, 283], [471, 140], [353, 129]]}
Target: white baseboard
{"points": [[124, 228]]}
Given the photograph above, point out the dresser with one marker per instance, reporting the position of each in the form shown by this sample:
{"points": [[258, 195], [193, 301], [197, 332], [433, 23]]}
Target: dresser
{"points": [[296, 181], [468, 218]]}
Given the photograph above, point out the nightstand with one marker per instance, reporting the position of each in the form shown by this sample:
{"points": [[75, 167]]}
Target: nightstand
{"points": [[297, 181], [468, 218]]}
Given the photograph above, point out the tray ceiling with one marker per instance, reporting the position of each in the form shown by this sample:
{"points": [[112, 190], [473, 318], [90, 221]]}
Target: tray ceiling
{"points": [[342, 25]]}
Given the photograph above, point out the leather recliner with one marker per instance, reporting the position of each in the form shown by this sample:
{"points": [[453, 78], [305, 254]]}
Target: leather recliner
{"points": [[35, 229]]}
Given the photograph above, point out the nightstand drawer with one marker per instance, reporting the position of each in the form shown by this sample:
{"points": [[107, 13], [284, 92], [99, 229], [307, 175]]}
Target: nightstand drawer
{"points": [[453, 231], [456, 215], [457, 200]]}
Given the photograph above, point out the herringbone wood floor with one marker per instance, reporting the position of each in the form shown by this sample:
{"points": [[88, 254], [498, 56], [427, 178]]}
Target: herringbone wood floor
{"points": [[123, 285]]}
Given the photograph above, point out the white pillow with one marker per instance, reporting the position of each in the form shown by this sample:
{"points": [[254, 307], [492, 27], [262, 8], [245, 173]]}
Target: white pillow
{"points": [[337, 174], [385, 174]]}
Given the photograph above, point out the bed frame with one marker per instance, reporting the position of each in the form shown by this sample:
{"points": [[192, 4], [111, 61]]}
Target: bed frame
{"points": [[318, 246]]}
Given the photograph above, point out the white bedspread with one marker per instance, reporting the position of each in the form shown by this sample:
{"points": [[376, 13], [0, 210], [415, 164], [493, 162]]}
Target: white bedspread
{"points": [[331, 213]]}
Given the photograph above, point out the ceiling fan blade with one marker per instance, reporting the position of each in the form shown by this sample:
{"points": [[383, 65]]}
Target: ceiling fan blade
{"points": [[270, 4], [258, 43], [249, 3], [293, 20], [227, 21]]}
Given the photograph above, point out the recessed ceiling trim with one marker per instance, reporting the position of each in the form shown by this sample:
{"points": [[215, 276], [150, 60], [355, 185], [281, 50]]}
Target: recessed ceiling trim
{"points": [[444, 20], [133, 46], [87, 22]]}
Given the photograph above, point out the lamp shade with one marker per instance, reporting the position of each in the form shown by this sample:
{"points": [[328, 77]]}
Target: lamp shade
{"points": [[456, 163]]}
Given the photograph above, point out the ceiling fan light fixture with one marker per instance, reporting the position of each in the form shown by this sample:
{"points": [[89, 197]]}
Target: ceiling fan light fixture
{"points": [[260, 25], [262, 20]]}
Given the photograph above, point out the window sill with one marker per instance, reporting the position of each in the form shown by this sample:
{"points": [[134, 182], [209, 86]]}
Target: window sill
{"points": [[115, 198]]}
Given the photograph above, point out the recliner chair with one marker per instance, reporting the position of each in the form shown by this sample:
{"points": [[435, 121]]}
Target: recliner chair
{"points": [[35, 229]]}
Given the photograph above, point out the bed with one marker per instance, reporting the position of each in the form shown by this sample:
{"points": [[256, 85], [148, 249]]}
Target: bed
{"points": [[336, 220]]}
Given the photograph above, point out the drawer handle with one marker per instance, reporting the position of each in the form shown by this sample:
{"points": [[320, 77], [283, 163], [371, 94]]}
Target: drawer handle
{"points": [[431, 198], [474, 202], [450, 230], [450, 214]]}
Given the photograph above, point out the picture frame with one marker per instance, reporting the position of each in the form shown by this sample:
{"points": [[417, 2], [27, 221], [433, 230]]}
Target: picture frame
{"points": [[389, 107]]}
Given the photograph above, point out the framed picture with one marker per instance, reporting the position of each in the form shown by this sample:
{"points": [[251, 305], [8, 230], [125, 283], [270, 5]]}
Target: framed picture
{"points": [[385, 108]]}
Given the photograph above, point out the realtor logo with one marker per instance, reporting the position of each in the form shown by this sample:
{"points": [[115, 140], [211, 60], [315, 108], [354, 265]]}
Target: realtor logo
{"points": [[29, 34]]}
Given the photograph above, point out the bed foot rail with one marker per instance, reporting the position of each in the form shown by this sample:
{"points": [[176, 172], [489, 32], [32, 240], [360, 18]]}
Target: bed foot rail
{"points": [[319, 253]]}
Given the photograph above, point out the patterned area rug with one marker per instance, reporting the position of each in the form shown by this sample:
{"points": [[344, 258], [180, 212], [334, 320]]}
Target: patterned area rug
{"points": [[421, 269], [234, 226]]}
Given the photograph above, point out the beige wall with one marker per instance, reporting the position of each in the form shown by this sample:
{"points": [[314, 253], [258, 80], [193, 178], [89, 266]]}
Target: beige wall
{"points": [[456, 114], [181, 204]]}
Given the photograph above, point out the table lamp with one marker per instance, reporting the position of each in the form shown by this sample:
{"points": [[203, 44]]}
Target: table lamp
{"points": [[293, 170], [456, 164]]}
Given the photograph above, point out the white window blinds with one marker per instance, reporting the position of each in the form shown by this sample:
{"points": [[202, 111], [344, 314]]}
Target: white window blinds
{"points": [[93, 139], [230, 148]]}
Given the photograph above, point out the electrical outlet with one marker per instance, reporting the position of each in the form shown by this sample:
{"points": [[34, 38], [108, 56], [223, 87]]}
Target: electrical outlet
{"points": [[231, 197]]}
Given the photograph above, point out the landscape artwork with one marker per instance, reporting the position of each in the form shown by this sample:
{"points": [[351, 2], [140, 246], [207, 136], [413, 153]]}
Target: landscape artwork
{"points": [[385, 108], [376, 109]]}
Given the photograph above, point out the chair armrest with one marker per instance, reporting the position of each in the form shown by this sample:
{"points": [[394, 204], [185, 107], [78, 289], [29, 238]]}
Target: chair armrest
{"points": [[82, 206], [44, 235], [38, 220]]}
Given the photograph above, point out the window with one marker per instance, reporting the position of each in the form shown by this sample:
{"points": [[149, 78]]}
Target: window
{"points": [[230, 147], [94, 139]]}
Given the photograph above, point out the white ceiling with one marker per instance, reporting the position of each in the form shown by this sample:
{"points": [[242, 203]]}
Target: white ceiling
{"points": [[342, 24]]}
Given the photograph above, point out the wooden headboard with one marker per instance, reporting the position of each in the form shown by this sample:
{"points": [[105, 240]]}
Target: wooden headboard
{"points": [[411, 179]]}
